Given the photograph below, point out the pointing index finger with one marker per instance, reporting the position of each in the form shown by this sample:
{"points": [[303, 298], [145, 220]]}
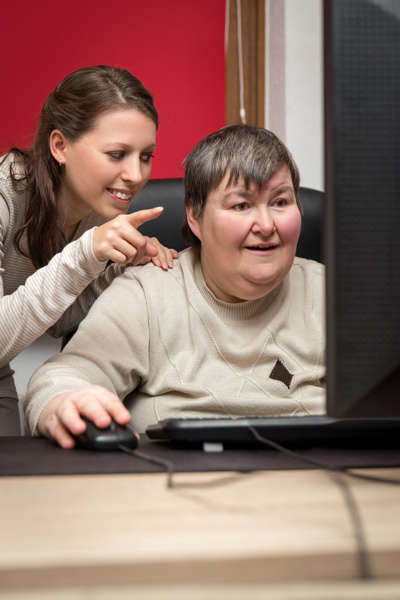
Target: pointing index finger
{"points": [[137, 219]]}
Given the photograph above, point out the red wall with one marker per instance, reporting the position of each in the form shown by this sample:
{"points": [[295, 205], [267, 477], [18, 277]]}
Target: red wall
{"points": [[175, 47]]}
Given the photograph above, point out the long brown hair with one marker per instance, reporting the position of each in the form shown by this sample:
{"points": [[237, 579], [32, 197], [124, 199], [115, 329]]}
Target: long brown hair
{"points": [[72, 108]]}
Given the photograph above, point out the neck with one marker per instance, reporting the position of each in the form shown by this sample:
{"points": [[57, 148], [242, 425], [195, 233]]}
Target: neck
{"points": [[69, 217], [70, 230]]}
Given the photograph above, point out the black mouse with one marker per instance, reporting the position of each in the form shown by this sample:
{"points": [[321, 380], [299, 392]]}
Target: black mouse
{"points": [[108, 438]]}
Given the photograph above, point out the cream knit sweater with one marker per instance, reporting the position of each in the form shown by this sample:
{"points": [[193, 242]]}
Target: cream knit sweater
{"points": [[187, 354]]}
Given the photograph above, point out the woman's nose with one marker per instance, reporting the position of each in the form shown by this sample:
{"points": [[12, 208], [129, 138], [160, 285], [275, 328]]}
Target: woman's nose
{"points": [[263, 222], [132, 171]]}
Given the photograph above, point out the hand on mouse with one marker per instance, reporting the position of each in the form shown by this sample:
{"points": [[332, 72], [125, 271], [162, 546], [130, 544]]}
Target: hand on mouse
{"points": [[61, 416]]}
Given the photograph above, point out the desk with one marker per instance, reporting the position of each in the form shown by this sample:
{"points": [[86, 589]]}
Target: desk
{"points": [[271, 534]]}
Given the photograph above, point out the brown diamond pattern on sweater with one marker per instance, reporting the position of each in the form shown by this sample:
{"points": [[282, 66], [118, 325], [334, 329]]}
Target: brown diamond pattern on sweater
{"points": [[280, 373]]}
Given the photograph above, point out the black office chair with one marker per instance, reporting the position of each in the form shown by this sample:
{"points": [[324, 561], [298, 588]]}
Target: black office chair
{"points": [[170, 193], [310, 241]]}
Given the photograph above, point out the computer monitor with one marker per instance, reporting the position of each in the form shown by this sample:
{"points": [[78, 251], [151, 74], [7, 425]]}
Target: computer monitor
{"points": [[362, 212]]}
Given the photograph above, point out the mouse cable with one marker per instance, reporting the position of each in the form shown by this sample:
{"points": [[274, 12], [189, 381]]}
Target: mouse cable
{"points": [[364, 562], [167, 464]]}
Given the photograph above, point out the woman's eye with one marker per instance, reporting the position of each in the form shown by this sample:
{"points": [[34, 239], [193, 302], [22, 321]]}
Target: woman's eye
{"points": [[146, 157], [241, 207], [117, 155], [280, 202]]}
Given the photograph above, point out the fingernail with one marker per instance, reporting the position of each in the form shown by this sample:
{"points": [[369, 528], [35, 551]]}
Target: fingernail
{"points": [[157, 262], [171, 264], [164, 266]]}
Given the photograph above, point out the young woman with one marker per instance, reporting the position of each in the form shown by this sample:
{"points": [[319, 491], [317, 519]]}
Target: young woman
{"points": [[63, 207]]}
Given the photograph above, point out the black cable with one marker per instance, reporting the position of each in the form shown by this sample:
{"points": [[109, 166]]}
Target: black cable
{"points": [[319, 464], [373, 478], [169, 467], [167, 464], [335, 472], [337, 475]]}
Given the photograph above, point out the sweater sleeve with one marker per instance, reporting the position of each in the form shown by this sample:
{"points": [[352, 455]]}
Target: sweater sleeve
{"points": [[39, 303], [110, 349]]}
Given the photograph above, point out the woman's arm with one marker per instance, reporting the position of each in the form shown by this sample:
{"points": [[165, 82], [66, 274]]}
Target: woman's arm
{"points": [[45, 296], [114, 236], [105, 360], [39, 303]]}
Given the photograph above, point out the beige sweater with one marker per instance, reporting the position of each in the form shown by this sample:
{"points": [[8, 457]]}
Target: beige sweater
{"points": [[187, 354], [33, 300]]}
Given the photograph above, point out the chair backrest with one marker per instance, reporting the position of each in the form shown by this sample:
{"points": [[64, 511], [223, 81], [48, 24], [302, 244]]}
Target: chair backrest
{"points": [[310, 241], [170, 193]]}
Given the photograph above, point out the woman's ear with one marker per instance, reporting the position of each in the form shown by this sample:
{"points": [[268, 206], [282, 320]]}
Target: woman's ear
{"points": [[58, 144], [193, 220]]}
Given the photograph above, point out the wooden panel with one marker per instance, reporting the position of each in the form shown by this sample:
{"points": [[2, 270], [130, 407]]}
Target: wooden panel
{"points": [[253, 48], [219, 529]]}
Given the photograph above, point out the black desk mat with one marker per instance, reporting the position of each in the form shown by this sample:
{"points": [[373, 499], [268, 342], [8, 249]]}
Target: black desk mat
{"points": [[26, 456]]}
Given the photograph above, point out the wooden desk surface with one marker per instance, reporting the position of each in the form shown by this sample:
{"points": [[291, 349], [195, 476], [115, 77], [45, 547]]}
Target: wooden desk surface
{"points": [[220, 532]]}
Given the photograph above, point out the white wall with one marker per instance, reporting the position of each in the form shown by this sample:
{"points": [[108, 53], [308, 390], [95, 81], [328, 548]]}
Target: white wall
{"points": [[294, 82], [28, 361]]}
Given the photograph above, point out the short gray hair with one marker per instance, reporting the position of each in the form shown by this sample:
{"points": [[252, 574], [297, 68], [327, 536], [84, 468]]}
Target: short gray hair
{"points": [[243, 151]]}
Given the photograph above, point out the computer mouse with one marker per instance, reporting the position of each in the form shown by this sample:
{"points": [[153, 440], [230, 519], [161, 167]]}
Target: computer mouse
{"points": [[108, 438]]}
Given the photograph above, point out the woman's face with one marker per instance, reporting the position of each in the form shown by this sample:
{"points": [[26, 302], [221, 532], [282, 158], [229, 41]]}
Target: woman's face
{"points": [[108, 166], [248, 236]]}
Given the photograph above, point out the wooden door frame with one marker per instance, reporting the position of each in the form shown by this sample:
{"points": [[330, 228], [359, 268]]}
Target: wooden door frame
{"points": [[253, 52]]}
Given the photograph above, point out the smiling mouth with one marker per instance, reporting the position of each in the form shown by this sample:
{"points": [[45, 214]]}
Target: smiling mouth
{"points": [[126, 196], [262, 248]]}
